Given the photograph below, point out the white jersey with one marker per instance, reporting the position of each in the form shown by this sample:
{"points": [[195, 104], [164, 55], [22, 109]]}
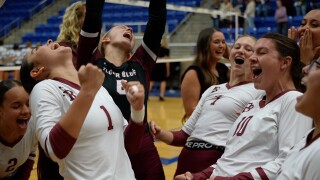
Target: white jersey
{"points": [[13, 156], [217, 110], [261, 137], [303, 160], [99, 151]]}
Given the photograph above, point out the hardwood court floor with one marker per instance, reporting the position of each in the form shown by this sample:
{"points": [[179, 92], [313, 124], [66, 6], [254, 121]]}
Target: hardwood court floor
{"points": [[167, 114]]}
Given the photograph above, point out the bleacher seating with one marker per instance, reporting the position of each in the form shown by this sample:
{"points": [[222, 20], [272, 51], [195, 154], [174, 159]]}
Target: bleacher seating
{"points": [[13, 13], [133, 16]]}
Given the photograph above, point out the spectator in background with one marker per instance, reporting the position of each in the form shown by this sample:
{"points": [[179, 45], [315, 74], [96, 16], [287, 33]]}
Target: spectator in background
{"points": [[240, 7], [205, 70], [281, 18], [289, 5], [249, 15], [215, 16], [13, 55], [301, 7], [262, 8], [161, 71], [28, 47], [225, 7], [3, 51]]}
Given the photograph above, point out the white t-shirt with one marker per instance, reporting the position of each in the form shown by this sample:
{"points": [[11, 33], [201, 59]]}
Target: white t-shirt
{"points": [[99, 151], [261, 137]]}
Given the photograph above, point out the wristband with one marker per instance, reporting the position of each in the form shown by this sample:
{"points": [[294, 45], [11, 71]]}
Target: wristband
{"points": [[137, 116]]}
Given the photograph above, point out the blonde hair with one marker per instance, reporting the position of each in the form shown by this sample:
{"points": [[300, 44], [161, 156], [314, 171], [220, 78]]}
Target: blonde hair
{"points": [[70, 27], [100, 45]]}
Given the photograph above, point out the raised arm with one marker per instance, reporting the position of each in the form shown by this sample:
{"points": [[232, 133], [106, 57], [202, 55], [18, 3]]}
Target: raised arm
{"points": [[58, 132], [156, 25], [135, 130], [90, 32]]}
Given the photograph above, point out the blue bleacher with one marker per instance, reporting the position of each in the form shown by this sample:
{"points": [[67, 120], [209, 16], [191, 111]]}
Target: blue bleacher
{"points": [[113, 13], [133, 15], [13, 13]]}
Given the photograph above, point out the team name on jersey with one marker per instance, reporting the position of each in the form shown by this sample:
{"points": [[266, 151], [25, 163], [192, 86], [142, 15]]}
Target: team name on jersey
{"points": [[248, 107], [67, 93], [215, 89], [123, 74]]}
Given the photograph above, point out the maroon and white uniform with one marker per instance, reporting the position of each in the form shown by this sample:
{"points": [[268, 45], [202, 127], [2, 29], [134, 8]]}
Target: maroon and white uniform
{"points": [[98, 152], [13, 156], [209, 124], [261, 137], [302, 162], [146, 163], [217, 110]]}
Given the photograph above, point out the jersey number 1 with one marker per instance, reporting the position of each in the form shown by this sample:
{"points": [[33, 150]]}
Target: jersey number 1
{"points": [[110, 126]]}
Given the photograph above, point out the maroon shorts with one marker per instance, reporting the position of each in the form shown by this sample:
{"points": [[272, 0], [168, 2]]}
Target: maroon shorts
{"points": [[197, 157]]}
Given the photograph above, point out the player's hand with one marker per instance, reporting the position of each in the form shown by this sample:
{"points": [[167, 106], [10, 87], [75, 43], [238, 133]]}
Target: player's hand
{"points": [[307, 49], [91, 78], [293, 33], [135, 94], [185, 176], [155, 129]]}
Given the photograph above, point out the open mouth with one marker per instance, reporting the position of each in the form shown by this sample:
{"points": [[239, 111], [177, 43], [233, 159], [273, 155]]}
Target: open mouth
{"points": [[127, 35], [23, 123], [239, 60], [256, 72]]}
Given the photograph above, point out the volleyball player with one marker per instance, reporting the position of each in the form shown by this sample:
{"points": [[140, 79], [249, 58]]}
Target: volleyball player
{"points": [[204, 134], [115, 57], [309, 34], [267, 128], [302, 161], [18, 141], [78, 124], [70, 28]]}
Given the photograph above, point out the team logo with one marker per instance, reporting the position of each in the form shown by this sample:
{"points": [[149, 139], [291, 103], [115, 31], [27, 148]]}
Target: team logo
{"points": [[68, 93], [215, 89], [248, 107]]}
